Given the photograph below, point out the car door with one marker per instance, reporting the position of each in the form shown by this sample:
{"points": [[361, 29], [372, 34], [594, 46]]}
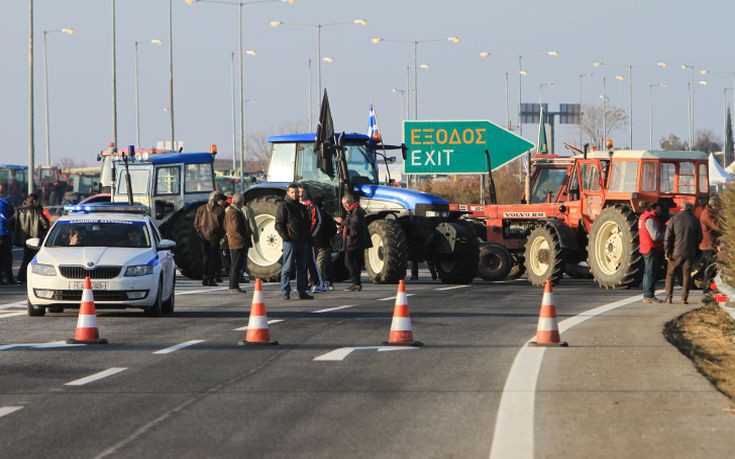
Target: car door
{"points": [[591, 188], [166, 259]]}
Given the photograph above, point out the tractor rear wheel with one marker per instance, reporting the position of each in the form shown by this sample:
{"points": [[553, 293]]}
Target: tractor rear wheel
{"points": [[544, 256], [495, 262], [386, 261], [264, 259], [188, 254], [612, 252], [461, 267]]}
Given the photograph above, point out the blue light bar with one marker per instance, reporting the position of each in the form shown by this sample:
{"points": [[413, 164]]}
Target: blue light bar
{"points": [[106, 207]]}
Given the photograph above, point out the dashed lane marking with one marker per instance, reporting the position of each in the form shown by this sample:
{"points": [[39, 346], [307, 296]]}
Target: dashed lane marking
{"points": [[12, 314], [204, 290], [394, 297], [16, 305], [176, 347], [6, 410], [453, 287], [334, 309], [95, 377], [274, 321], [340, 354], [51, 345]]}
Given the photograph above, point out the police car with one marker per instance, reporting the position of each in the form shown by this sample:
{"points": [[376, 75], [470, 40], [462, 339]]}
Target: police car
{"points": [[117, 246]]}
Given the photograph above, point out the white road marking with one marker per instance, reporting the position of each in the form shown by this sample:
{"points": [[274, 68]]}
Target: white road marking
{"points": [[51, 345], [12, 314], [95, 377], [176, 347], [6, 410], [514, 434], [453, 287], [16, 305], [393, 297], [341, 353], [204, 290], [274, 321], [334, 309]]}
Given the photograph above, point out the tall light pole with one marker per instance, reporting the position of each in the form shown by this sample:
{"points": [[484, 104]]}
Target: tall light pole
{"points": [[690, 87], [650, 111], [31, 119], [156, 42], [318, 27], [114, 76], [582, 76], [541, 92], [401, 92], [67, 31], [604, 107], [308, 90], [234, 115], [415, 45]]}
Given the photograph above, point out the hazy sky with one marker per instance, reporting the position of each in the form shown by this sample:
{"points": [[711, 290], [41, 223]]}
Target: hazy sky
{"points": [[458, 85]]}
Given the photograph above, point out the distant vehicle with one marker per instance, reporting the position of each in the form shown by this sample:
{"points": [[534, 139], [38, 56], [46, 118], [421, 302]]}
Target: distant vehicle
{"points": [[15, 178], [83, 181], [119, 247]]}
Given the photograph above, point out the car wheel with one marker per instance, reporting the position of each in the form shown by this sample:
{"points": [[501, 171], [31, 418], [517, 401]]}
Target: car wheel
{"points": [[168, 305], [35, 311], [157, 308]]}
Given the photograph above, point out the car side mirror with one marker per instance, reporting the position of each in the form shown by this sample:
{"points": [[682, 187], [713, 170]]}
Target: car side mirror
{"points": [[33, 243], [166, 244]]}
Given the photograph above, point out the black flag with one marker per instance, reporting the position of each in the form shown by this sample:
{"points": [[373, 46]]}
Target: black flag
{"points": [[324, 146]]}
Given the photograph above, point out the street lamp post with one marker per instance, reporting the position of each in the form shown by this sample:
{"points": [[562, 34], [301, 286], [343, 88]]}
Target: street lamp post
{"points": [[541, 92], [67, 31], [156, 42], [690, 87], [308, 90], [415, 45], [114, 76], [234, 115], [650, 111], [31, 120], [401, 92], [604, 107], [582, 76]]}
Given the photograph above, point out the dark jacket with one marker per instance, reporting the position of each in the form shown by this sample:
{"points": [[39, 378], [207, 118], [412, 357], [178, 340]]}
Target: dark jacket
{"points": [[238, 233], [710, 229], [30, 222], [356, 235], [209, 222], [292, 221], [327, 231], [683, 235]]}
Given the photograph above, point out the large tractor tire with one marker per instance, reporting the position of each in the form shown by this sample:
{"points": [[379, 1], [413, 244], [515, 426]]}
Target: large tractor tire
{"points": [[612, 252], [461, 266], [188, 254], [264, 260], [519, 267], [495, 262], [544, 256], [386, 261], [578, 271]]}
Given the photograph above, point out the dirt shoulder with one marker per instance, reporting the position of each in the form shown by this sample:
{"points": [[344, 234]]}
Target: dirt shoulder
{"points": [[707, 336]]}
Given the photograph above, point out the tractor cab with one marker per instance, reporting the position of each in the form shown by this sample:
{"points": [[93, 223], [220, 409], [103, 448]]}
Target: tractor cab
{"points": [[15, 179]]}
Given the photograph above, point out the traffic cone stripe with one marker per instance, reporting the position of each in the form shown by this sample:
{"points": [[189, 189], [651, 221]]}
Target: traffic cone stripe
{"points": [[401, 298], [257, 331], [548, 299], [547, 336], [87, 331], [257, 322], [401, 310], [548, 311], [547, 324], [257, 309], [87, 296], [258, 297], [401, 331], [547, 331], [87, 321], [401, 324]]}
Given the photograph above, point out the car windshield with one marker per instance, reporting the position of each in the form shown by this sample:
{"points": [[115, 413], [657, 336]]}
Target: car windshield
{"points": [[98, 233], [547, 181]]}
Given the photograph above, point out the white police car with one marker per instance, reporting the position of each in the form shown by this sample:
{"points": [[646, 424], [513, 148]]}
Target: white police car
{"points": [[117, 246]]}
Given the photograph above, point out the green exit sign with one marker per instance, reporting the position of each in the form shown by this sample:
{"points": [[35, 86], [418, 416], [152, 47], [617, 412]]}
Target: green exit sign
{"points": [[458, 147]]}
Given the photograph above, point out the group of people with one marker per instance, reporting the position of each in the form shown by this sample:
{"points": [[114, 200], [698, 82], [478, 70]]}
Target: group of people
{"points": [[680, 242], [16, 226]]}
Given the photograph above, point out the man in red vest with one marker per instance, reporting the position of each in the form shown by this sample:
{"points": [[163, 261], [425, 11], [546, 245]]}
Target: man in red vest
{"points": [[651, 236]]}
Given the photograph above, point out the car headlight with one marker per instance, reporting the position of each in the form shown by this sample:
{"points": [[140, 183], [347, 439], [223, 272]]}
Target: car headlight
{"points": [[43, 270], [138, 270]]}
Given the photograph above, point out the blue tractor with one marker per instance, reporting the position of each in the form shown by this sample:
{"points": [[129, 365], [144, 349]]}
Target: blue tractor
{"points": [[405, 225]]}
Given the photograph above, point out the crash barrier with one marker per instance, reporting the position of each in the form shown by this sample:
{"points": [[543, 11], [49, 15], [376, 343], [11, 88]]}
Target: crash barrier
{"points": [[257, 332], [87, 331], [401, 332], [725, 293], [547, 331]]}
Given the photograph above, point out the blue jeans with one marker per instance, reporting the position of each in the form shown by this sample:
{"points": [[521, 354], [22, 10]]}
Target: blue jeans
{"points": [[652, 263], [294, 254]]}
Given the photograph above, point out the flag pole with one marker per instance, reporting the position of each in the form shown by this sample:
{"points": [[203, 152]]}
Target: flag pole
{"points": [[382, 144]]}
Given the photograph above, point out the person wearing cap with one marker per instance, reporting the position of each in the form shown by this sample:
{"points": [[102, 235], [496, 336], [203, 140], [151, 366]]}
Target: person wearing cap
{"points": [[711, 232], [681, 242], [209, 225], [238, 241]]}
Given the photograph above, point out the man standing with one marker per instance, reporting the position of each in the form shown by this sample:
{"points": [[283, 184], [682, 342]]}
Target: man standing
{"points": [[710, 242], [355, 239], [238, 241], [249, 217], [314, 227], [30, 222], [209, 224], [292, 224], [323, 242], [651, 238], [6, 237], [682, 238]]}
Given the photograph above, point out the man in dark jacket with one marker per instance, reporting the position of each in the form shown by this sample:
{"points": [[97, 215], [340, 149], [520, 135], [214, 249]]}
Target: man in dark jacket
{"points": [[238, 241], [355, 239], [711, 231], [323, 242], [681, 242], [209, 225], [7, 212], [292, 224], [30, 222]]}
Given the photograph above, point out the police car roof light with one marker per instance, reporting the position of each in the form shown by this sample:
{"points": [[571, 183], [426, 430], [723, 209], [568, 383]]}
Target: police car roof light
{"points": [[106, 207]]}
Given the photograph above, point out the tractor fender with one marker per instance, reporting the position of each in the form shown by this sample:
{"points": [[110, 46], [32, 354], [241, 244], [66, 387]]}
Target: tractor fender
{"points": [[265, 190], [383, 215], [567, 236]]}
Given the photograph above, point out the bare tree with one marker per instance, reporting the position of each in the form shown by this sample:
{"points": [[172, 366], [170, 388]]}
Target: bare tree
{"points": [[68, 163], [592, 123], [672, 142], [707, 141], [258, 148]]}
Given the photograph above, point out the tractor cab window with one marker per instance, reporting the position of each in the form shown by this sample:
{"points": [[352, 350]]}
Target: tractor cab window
{"points": [[139, 181], [548, 180], [668, 172], [686, 178], [648, 177], [167, 180], [624, 176], [307, 169], [703, 178], [590, 177], [282, 163], [361, 164], [199, 178]]}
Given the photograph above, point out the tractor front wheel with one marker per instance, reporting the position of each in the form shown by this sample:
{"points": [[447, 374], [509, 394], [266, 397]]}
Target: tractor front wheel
{"points": [[544, 256], [613, 246], [386, 261], [264, 259], [495, 262]]}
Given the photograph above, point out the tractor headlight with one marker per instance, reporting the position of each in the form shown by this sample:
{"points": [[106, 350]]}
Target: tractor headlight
{"points": [[43, 270], [138, 270]]}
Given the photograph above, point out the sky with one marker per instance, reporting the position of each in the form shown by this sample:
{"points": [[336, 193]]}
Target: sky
{"points": [[459, 84]]}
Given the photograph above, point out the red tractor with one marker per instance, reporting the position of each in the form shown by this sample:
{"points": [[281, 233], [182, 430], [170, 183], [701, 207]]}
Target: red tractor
{"points": [[585, 208]]}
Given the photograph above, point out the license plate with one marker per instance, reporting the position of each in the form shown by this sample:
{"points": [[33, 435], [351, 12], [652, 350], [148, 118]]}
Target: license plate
{"points": [[96, 285]]}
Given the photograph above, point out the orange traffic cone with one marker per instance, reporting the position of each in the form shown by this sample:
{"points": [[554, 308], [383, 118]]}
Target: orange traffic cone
{"points": [[401, 333], [257, 333], [547, 332], [87, 332]]}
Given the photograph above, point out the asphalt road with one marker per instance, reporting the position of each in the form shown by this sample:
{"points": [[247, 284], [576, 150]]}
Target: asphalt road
{"points": [[215, 398]]}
